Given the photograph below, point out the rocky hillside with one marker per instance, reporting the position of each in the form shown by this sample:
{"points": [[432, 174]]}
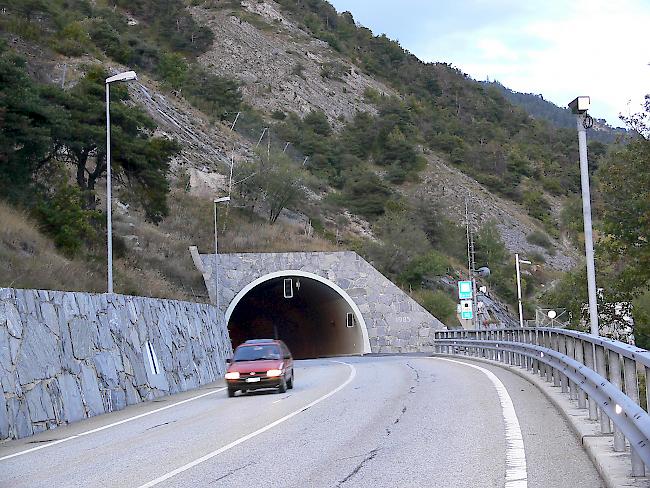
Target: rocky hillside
{"points": [[355, 183], [281, 67]]}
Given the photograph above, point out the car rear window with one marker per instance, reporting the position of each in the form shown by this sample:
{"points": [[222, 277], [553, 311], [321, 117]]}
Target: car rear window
{"points": [[254, 353]]}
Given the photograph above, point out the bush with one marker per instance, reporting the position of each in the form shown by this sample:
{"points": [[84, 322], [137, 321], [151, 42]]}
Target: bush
{"points": [[429, 265], [439, 304], [537, 206], [365, 194], [539, 239], [63, 217]]}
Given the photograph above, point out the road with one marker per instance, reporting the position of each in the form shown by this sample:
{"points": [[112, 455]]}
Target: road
{"points": [[349, 422]]}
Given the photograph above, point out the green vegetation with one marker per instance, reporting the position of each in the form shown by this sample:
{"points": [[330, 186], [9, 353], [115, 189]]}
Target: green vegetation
{"points": [[493, 141], [163, 43], [490, 251], [439, 304], [50, 129], [539, 239]]}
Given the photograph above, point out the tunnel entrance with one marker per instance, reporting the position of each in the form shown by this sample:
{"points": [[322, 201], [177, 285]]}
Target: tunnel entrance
{"points": [[313, 316]]}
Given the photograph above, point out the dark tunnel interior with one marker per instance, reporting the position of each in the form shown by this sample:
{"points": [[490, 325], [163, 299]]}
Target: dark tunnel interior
{"points": [[313, 319]]}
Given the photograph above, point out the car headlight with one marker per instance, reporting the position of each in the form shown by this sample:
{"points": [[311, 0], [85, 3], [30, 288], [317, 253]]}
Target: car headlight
{"points": [[272, 373], [232, 375]]}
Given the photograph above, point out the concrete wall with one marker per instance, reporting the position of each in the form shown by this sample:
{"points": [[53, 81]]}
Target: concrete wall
{"points": [[65, 356], [396, 323]]}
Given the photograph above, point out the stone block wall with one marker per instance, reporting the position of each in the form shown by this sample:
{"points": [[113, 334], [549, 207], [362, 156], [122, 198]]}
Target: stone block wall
{"points": [[65, 356]]}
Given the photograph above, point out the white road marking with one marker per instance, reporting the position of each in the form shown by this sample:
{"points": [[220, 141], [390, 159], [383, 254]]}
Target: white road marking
{"points": [[210, 455], [114, 424], [516, 472]]}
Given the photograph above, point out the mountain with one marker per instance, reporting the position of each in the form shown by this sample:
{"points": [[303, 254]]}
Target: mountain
{"points": [[539, 108], [334, 137]]}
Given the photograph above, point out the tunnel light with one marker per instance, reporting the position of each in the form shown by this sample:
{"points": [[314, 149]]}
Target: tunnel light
{"points": [[618, 409], [288, 288], [541, 354], [232, 375], [273, 373]]}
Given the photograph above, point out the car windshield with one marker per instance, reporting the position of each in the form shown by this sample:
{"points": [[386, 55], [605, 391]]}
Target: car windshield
{"points": [[255, 353]]}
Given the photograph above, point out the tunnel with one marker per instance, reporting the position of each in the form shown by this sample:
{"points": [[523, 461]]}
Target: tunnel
{"points": [[311, 315]]}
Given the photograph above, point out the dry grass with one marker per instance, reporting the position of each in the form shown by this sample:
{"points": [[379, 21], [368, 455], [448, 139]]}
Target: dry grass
{"points": [[262, 237], [28, 259], [157, 262], [160, 257]]}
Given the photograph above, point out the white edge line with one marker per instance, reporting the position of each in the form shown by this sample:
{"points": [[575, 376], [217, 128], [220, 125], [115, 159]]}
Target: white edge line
{"points": [[114, 424], [210, 455], [516, 472]]}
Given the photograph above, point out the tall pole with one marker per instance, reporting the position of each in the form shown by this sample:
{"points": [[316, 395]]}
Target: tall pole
{"points": [[521, 314], [586, 214], [109, 216], [216, 257]]}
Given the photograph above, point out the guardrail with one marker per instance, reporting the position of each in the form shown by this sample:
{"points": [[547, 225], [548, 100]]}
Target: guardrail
{"points": [[603, 376]]}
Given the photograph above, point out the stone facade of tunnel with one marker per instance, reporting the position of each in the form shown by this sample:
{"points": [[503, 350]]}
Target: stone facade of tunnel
{"points": [[396, 323], [65, 356]]}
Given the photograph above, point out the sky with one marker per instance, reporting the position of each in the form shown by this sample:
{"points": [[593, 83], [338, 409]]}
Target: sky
{"points": [[558, 48]]}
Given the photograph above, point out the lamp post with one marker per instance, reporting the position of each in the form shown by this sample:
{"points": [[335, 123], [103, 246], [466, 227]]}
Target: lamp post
{"points": [[125, 76], [216, 248], [579, 107], [517, 263]]}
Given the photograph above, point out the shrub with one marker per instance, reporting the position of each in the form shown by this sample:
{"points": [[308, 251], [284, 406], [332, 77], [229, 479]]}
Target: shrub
{"points": [[539, 239], [425, 266], [439, 304], [64, 218], [536, 205]]}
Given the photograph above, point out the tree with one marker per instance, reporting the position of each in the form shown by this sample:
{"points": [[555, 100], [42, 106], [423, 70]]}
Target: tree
{"points": [[138, 157], [625, 188], [26, 122], [279, 182], [402, 241]]}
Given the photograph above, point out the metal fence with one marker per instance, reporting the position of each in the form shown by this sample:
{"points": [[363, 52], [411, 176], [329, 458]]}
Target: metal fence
{"points": [[606, 378]]}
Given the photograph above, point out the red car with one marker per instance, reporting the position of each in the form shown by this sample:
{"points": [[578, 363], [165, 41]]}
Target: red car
{"points": [[260, 363]]}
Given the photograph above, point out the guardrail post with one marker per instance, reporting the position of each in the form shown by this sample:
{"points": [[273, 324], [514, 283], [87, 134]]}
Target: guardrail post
{"points": [[555, 345], [562, 349], [534, 363], [580, 357], [632, 391], [588, 351], [493, 353], [528, 339], [548, 369], [615, 378], [515, 338], [601, 369], [571, 351]]}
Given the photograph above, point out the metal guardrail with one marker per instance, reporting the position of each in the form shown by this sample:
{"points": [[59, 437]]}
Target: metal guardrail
{"points": [[603, 376]]}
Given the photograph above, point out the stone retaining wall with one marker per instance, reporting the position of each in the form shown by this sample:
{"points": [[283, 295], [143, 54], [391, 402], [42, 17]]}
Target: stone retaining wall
{"points": [[65, 356]]}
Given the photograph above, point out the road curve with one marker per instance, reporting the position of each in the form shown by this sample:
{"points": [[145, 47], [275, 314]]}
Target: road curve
{"points": [[351, 422]]}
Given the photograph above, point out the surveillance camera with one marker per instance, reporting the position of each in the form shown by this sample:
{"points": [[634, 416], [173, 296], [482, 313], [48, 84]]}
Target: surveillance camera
{"points": [[580, 105]]}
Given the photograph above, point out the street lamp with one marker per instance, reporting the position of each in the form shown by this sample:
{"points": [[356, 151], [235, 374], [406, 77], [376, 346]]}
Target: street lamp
{"points": [[216, 248], [579, 107], [517, 263], [126, 76]]}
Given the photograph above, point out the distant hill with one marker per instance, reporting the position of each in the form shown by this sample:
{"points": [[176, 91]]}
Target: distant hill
{"points": [[539, 108]]}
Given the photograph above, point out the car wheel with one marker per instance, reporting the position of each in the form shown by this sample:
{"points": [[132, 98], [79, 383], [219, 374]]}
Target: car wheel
{"points": [[290, 382], [283, 386], [231, 392]]}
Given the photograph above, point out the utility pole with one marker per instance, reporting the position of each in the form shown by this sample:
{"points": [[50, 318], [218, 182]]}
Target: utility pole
{"points": [[579, 107], [471, 266]]}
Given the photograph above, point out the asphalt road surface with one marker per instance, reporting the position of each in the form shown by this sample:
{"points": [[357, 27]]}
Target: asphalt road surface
{"points": [[349, 422]]}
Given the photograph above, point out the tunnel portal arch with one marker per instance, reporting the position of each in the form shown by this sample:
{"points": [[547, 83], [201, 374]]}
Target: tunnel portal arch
{"points": [[330, 287]]}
